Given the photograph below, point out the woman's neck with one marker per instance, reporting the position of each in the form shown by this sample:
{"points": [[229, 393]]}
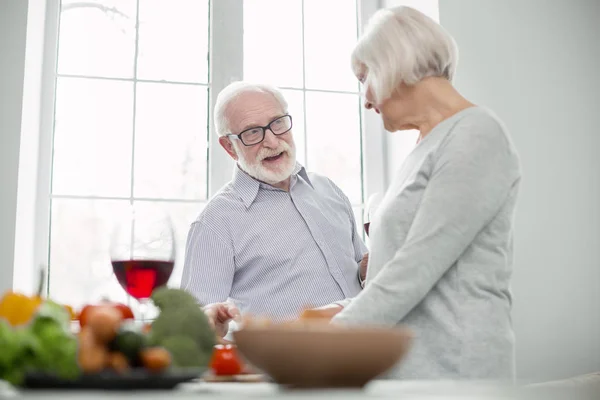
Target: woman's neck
{"points": [[439, 101]]}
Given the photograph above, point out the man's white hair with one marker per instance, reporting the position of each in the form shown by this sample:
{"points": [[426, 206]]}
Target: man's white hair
{"points": [[231, 92], [402, 45]]}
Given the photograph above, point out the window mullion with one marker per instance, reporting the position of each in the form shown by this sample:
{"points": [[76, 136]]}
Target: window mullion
{"points": [[226, 65], [45, 149], [376, 177]]}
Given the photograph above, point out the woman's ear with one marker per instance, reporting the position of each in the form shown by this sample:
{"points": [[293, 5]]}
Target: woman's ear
{"points": [[228, 146]]}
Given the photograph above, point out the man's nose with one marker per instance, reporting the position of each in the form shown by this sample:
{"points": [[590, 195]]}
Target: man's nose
{"points": [[270, 139], [368, 105]]}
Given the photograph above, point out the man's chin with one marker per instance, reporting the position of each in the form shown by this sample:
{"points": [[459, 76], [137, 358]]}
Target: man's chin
{"points": [[273, 176], [278, 172]]}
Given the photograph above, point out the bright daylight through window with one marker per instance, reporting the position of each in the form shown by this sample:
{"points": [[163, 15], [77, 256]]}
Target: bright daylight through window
{"points": [[131, 122]]}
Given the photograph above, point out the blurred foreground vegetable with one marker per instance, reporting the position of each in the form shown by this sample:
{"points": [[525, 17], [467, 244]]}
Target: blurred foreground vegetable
{"points": [[45, 344], [18, 309], [109, 339], [182, 328]]}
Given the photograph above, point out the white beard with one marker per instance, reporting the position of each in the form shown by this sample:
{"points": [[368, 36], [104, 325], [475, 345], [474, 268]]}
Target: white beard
{"points": [[272, 177]]}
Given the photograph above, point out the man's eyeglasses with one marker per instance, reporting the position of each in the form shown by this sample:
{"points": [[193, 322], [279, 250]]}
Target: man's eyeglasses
{"points": [[255, 135]]}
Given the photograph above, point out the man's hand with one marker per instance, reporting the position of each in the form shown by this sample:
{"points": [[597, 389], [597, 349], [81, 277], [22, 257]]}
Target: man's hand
{"points": [[363, 267], [219, 315]]}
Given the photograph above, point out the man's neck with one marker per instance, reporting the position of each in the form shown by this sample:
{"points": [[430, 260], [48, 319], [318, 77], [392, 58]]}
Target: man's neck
{"points": [[283, 185]]}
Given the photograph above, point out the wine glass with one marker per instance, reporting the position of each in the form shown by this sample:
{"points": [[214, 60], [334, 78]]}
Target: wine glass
{"points": [[370, 208], [142, 251]]}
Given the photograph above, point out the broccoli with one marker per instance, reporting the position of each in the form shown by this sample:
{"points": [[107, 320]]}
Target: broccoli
{"points": [[185, 351], [182, 328]]}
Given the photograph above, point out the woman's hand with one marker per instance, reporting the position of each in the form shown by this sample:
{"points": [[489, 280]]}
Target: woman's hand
{"points": [[325, 313], [363, 267]]}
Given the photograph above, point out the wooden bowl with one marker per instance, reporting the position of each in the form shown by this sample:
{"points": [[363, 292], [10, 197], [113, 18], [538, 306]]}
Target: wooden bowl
{"points": [[322, 356]]}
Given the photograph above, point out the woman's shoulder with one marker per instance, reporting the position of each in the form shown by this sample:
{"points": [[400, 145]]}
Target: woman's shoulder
{"points": [[479, 136], [478, 126], [480, 120]]}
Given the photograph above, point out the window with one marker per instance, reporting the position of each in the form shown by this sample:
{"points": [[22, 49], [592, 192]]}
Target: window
{"points": [[130, 126], [311, 63], [133, 84]]}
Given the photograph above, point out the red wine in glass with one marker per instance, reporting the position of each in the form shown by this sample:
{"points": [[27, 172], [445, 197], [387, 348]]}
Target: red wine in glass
{"points": [[366, 226], [139, 278], [143, 251]]}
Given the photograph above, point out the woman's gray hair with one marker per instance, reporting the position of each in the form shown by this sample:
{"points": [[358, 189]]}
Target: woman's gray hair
{"points": [[231, 92], [402, 45]]}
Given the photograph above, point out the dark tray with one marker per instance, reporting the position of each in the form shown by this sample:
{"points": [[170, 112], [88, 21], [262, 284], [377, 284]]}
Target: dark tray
{"points": [[136, 379]]}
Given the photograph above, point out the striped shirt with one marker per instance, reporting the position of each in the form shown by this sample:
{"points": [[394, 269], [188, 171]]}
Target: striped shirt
{"points": [[274, 253]]}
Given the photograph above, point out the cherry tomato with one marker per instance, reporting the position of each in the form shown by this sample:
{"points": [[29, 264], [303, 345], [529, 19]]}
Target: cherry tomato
{"points": [[225, 361]]}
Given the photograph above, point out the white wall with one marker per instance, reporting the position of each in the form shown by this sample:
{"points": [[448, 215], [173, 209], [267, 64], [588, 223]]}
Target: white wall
{"points": [[535, 62], [13, 24], [26, 260], [22, 34]]}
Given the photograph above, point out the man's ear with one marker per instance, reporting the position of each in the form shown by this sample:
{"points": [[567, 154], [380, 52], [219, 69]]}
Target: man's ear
{"points": [[228, 146]]}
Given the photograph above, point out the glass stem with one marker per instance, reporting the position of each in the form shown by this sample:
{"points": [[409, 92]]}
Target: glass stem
{"points": [[143, 309]]}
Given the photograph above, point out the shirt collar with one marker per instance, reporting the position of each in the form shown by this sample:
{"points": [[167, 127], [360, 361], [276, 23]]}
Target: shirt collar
{"points": [[247, 187]]}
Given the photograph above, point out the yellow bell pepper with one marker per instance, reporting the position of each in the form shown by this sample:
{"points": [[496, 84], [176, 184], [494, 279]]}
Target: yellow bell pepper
{"points": [[17, 308]]}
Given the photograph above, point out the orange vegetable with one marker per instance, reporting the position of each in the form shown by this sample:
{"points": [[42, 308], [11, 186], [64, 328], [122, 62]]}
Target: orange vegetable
{"points": [[104, 322], [124, 310], [155, 358], [118, 362], [83, 315], [92, 356]]}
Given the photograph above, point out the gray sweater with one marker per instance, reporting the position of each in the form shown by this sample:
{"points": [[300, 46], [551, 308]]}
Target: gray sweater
{"points": [[441, 253]]}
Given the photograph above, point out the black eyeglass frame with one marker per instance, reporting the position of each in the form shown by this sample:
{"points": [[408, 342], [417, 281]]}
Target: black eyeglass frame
{"points": [[264, 131]]}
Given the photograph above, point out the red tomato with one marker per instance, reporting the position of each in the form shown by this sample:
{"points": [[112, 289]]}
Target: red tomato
{"points": [[124, 309], [225, 361]]}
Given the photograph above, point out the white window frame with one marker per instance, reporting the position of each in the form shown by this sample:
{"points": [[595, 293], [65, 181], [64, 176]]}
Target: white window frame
{"points": [[374, 138], [225, 66], [227, 44]]}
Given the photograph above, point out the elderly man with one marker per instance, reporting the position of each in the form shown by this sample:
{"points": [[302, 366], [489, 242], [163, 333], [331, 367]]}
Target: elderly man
{"points": [[275, 239]]}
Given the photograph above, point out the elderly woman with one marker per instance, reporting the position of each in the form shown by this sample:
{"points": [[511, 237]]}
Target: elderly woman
{"points": [[441, 240]]}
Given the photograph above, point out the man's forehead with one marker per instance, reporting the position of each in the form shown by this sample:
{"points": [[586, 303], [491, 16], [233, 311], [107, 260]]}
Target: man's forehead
{"points": [[253, 108], [254, 95]]}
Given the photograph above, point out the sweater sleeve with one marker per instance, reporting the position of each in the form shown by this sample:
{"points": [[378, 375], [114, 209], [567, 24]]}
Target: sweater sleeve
{"points": [[473, 173]]}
